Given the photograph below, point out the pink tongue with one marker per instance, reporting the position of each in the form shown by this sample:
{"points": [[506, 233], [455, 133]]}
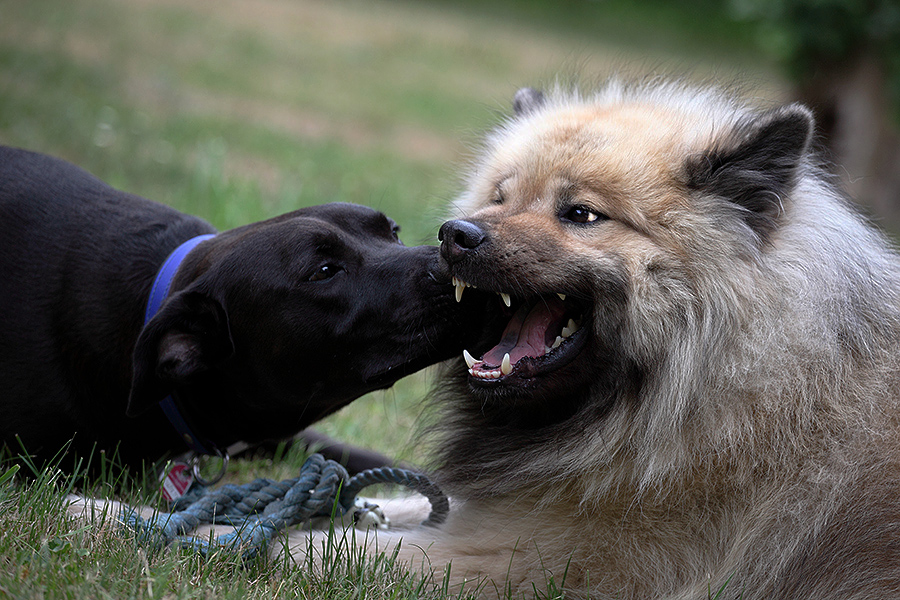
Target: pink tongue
{"points": [[528, 332]]}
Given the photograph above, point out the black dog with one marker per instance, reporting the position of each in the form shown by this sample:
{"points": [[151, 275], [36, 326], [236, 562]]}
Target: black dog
{"points": [[266, 329]]}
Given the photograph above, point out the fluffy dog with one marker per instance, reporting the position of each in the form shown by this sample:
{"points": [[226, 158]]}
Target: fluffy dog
{"points": [[688, 377], [266, 328], [691, 377]]}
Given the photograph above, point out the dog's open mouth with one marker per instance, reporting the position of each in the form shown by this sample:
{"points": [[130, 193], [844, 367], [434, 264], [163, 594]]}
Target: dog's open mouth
{"points": [[543, 334]]}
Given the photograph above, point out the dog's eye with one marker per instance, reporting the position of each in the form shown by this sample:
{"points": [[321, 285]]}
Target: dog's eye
{"points": [[325, 272], [582, 214], [396, 232]]}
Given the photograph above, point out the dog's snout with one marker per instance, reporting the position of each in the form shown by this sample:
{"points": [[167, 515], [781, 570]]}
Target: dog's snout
{"points": [[459, 237]]}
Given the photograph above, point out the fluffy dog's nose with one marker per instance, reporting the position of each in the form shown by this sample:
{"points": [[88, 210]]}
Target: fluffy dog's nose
{"points": [[459, 237]]}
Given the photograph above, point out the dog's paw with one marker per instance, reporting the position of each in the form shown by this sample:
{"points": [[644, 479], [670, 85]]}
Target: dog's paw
{"points": [[368, 515]]}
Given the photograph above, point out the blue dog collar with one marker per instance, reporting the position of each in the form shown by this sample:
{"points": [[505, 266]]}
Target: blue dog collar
{"points": [[166, 273], [158, 293]]}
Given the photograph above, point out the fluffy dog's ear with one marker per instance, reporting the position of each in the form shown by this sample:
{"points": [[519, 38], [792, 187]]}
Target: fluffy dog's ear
{"points": [[527, 100], [188, 336], [756, 167]]}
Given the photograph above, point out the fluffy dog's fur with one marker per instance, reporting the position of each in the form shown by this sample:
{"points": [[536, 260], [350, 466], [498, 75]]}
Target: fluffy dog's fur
{"points": [[731, 414], [725, 413]]}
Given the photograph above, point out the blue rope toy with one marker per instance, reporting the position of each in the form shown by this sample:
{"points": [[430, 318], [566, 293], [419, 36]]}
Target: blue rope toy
{"points": [[260, 509]]}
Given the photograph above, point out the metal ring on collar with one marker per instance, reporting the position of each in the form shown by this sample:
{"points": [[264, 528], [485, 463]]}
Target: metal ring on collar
{"points": [[195, 467]]}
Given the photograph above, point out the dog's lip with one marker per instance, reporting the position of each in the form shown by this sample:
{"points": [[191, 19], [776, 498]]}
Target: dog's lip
{"points": [[506, 293], [505, 296], [389, 375]]}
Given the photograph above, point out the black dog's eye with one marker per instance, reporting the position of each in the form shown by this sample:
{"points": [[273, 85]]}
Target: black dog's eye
{"points": [[325, 272], [582, 215], [396, 231]]}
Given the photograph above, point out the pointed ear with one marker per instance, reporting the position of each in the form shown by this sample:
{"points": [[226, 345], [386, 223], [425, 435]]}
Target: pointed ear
{"points": [[187, 337], [756, 167], [526, 101]]}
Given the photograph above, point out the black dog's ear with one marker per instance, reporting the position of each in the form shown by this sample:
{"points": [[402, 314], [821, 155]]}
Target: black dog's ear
{"points": [[756, 167], [527, 100], [188, 336]]}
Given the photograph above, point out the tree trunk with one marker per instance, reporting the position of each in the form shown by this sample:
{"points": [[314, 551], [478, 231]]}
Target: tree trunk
{"points": [[860, 133]]}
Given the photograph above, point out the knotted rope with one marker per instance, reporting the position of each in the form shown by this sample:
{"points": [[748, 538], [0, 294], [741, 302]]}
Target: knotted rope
{"points": [[260, 509]]}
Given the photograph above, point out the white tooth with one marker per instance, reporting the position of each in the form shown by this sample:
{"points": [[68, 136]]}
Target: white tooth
{"points": [[569, 329], [556, 343], [561, 296], [470, 360], [506, 299], [505, 366], [455, 281], [459, 290]]}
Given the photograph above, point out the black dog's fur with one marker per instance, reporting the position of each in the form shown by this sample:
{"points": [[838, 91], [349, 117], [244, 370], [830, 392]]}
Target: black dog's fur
{"points": [[268, 327]]}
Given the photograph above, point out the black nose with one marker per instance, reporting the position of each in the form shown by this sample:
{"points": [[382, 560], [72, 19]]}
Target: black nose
{"points": [[459, 237]]}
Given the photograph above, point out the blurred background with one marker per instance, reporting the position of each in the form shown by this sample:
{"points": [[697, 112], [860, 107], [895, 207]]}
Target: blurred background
{"points": [[238, 110]]}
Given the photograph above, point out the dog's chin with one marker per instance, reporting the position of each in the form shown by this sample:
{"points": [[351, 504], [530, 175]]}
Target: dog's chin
{"points": [[533, 401]]}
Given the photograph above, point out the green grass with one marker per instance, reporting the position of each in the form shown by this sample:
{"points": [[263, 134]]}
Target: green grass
{"points": [[45, 554], [238, 110]]}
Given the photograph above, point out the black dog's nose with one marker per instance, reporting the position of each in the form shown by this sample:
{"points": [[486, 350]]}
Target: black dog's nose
{"points": [[458, 237]]}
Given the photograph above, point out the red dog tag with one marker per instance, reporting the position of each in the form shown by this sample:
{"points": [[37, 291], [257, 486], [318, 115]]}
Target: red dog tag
{"points": [[176, 480]]}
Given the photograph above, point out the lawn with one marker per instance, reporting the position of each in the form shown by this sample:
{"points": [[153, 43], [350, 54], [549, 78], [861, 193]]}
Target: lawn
{"points": [[238, 110]]}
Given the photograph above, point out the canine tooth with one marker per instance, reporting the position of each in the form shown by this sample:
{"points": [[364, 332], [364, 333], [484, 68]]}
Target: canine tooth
{"points": [[506, 299], [566, 332], [561, 296], [470, 360], [460, 286], [505, 366], [556, 343]]}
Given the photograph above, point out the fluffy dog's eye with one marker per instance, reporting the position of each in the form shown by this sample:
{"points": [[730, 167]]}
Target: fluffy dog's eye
{"points": [[582, 214], [497, 195], [324, 272]]}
